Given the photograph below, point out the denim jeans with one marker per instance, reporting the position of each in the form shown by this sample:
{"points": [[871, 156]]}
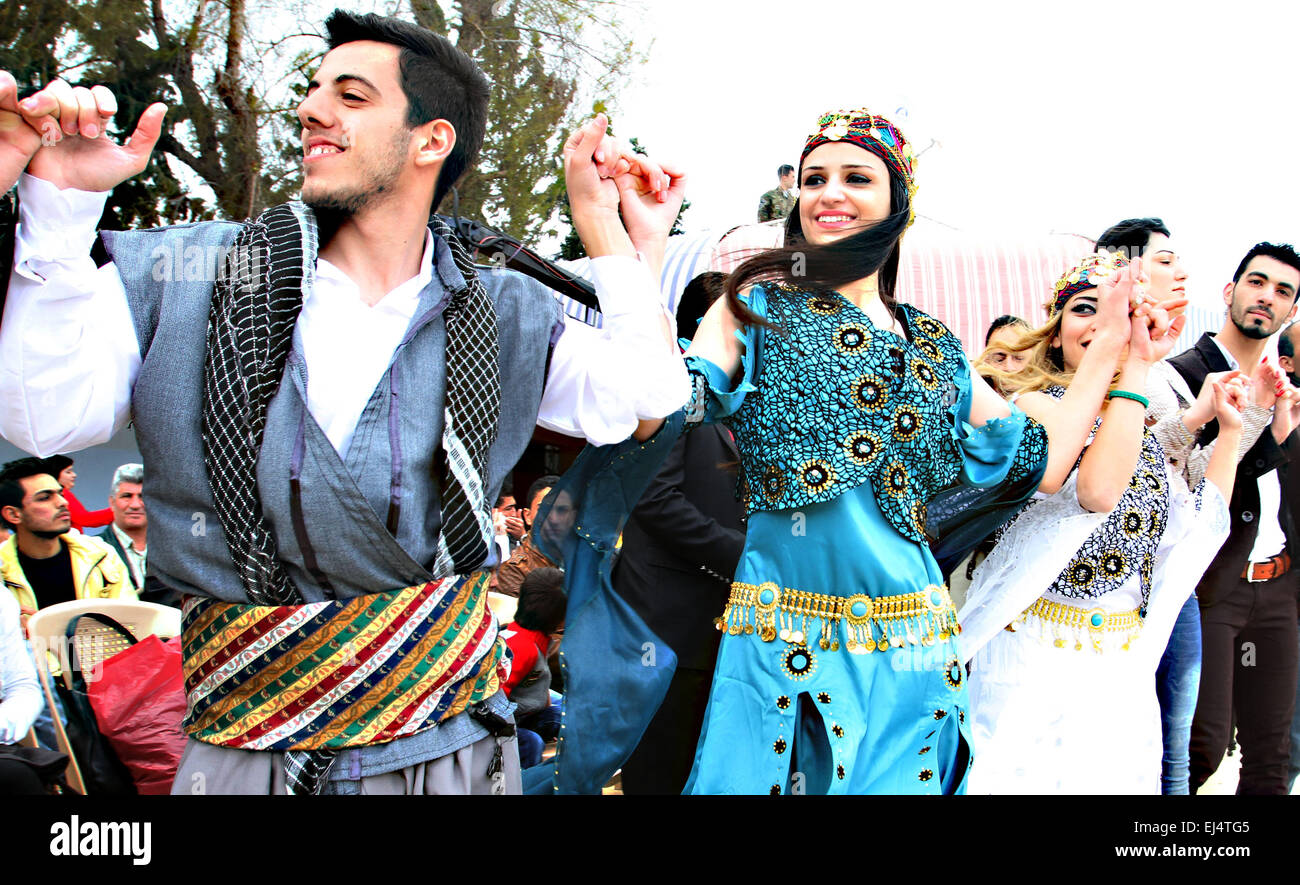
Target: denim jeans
{"points": [[1178, 680], [530, 747], [535, 729]]}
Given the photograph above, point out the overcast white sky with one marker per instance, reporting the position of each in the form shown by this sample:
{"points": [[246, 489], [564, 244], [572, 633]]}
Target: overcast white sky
{"points": [[1057, 117]]}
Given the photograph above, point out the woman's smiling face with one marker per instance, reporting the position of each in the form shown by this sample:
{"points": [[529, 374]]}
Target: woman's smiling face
{"points": [[843, 188]]}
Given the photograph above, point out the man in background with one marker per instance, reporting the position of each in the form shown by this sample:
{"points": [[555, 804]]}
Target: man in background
{"points": [[1248, 594], [126, 534], [525, 557], [777, 203], [43, 562]]}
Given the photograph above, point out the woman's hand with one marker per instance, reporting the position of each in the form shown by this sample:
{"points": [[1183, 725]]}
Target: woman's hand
{"points": [[603, 176], [1268, 381], [1229, 397], [1202, 411], [1113, 326], [1153, 329], [1286, 412]]}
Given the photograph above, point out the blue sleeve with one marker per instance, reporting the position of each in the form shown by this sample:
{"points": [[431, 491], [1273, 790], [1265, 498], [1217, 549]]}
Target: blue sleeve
{"points": [[714, 395], [988, 452]]}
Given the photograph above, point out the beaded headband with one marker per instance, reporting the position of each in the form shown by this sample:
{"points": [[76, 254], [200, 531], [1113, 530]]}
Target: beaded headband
{"points": [[1087, 274], [872, 132]]}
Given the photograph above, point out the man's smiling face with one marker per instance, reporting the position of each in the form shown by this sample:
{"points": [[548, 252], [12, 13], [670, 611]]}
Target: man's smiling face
{"points": [[357, 144]]}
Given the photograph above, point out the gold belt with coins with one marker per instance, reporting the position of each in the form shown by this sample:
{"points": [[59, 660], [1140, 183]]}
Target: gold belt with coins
{"points": [[865, 623], [1066, 624]]}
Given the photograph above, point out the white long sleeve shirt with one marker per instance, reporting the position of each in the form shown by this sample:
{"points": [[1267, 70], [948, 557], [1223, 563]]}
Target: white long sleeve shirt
{"points": [[20, 692], [69, 355]]}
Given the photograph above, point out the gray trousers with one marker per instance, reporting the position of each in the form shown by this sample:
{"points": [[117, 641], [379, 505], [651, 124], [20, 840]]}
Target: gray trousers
{"points": [[209, 769]]}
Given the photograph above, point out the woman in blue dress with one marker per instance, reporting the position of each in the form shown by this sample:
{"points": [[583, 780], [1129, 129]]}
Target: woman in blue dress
{"points": [[839, 670]]}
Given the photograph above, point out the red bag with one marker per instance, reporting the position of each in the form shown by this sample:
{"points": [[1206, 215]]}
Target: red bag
{"points": [[139, 702]]}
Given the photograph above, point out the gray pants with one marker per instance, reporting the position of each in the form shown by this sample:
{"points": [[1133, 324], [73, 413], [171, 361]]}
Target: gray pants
{"points": [[208, 769]]}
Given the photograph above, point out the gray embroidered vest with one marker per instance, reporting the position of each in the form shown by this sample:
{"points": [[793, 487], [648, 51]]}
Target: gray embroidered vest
{"points": [[362, 522], [840, 402]]}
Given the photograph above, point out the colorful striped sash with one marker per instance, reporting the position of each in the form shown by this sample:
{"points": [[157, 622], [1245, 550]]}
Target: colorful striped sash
{"points": [[330, 675]]}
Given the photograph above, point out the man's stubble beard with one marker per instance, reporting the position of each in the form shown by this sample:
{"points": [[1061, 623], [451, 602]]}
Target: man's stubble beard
{"points": [[1249, 329], [50, 534], [332, 209]]}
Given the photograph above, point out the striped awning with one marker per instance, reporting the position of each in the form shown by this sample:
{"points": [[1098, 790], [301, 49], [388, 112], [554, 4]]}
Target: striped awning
{"points": [[964, 280]]}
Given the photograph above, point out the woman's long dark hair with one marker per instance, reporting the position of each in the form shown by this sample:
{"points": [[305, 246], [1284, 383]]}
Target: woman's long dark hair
{"points": [[829, 266]]}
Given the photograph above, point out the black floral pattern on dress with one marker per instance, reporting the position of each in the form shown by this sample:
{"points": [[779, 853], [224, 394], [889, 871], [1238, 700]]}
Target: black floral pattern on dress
{"points": [[1126, 542], [839, 403]]}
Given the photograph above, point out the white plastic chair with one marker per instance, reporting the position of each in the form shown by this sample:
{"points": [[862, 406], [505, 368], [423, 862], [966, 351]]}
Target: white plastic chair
{"points": [[94, 643]]}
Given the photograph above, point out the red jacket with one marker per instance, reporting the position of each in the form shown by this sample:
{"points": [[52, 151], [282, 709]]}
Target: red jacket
{"points": [[525, 645], [82, 518]]}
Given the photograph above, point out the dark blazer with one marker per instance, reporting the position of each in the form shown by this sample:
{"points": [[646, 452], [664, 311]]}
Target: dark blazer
{"points": [[153, 590], [1224, 574], [681, 545]]}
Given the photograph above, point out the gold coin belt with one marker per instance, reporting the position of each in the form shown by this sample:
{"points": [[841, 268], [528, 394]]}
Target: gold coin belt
{"points": [[1069, 625], [866, 624]]}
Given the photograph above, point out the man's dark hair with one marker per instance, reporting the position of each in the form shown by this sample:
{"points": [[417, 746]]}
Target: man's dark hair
{"points": [[1130, 236], [695, 300], [57, 464], [11, 476], [784, 169], [542, 601], [1282, 252], [1284, 346], [440, 83], [507, 489], [546, 482], [1001, 323]]}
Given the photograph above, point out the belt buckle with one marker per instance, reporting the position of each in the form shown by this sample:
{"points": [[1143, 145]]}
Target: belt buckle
{"points": [[1250, 572]]}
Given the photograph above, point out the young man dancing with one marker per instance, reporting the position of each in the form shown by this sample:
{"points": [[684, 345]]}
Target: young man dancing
{"points": [[327, 419]]}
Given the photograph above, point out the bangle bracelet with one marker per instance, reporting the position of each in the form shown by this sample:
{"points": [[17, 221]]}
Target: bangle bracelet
{"points": [[1124, 394]]}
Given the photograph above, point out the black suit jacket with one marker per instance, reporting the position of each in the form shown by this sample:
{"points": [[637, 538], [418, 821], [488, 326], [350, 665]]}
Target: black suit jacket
{"points": [[1225, 572], [153, 590], [681, 545]]}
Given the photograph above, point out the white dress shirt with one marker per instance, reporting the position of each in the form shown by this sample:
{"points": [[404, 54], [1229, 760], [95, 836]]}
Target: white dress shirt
{"points": [[136, 560], [69, 355]]}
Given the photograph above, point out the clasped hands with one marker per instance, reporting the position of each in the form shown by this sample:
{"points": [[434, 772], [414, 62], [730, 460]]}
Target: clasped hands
{"points": [[58, 134], [1149, 328], [622, 202]]}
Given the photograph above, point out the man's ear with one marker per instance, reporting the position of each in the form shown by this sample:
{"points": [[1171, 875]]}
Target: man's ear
{"points": [[12, 516], [434, 142], [1227, 294]]}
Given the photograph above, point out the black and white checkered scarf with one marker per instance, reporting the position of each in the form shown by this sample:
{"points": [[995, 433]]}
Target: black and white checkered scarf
{"points": [[255, 305]]}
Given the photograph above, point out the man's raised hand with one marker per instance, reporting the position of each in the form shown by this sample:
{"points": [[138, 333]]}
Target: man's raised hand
{"points": [[18, 140], [73, 151]]}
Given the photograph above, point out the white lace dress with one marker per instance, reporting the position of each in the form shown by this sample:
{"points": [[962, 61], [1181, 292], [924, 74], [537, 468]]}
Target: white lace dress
{"points": [[1059, 709]]}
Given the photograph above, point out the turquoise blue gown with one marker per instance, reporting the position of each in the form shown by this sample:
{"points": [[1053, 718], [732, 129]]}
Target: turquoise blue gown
{"points": [[846, 433], [855, 447]]}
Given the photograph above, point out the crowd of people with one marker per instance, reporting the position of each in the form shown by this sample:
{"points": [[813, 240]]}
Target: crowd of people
{"points": [[780, 482]]}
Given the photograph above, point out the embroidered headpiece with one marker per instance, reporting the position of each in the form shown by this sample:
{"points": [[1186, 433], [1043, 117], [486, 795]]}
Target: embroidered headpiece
{"points": [[872, 132], [1087, 274]]}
